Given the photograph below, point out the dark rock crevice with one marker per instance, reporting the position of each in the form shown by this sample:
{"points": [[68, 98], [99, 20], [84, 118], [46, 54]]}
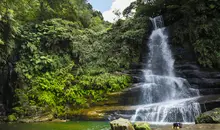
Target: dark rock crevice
{"points": [[8, 80]]}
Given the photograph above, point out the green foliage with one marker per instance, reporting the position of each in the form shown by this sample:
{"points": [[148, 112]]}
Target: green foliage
{"points": [[196, 22], [1, 42], [12, 118], [59, 90], [150, 8], [56, 48], [107, 82], [8, 30], [124, 42], [60, 69]]}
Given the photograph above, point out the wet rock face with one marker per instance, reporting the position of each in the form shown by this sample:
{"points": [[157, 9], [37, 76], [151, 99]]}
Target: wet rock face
{"points": [[212, 116], [209, 102], [206, 80], [43, 118], [8, 78], [2, 110], [121, 124]]}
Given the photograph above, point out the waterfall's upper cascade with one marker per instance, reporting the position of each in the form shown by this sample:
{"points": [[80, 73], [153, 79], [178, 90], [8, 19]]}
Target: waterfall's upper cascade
{"points": [[168, 98], [157, 22]]}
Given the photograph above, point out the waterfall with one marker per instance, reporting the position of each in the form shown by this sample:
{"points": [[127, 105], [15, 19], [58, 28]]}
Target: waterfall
{"points": [[165, 97]]}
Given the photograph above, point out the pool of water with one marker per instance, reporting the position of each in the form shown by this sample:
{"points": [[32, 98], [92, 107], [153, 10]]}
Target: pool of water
{"points": [[77, 125], [94, 125]]}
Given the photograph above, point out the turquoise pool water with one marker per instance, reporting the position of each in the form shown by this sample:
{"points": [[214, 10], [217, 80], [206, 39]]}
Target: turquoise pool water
{"points": [[76, 125]]}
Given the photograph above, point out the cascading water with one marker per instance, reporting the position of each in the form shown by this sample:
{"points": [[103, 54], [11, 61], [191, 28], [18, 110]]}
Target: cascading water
{"points": [[165, 97]]}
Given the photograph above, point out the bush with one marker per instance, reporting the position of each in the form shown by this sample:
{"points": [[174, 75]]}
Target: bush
{"points": [[12, 118]]}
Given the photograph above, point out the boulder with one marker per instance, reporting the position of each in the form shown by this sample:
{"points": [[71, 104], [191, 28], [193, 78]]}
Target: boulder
{"points": [[121, 124], [12, 118], [141, 126], [212, 116]]}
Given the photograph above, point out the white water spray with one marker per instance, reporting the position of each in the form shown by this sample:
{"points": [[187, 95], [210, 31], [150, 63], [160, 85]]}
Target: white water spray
{"points": [[168, 98]]}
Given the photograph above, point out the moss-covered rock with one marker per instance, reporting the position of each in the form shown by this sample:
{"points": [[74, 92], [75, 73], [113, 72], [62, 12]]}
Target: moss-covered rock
{"points": [[212, 116], [141, 126], [121, 124], [12, 118]]}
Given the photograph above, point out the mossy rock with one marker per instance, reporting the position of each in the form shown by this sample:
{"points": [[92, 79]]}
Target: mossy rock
{"points": [[121, 124], [12, 118], [141, 126], [212, 116]]}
